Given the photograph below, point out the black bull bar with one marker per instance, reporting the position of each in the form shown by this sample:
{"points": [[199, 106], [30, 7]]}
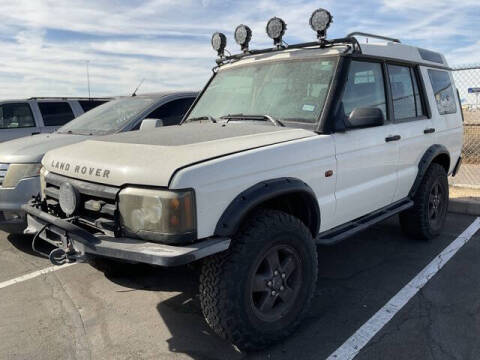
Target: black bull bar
{"points": [[74, 243]]}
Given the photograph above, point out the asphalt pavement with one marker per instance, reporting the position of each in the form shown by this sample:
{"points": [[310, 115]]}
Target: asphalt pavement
{"points": [[143, 312]]}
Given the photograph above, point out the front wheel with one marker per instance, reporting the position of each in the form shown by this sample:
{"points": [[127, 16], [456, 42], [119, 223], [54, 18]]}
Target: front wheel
{"points": [[426, 218], [257, 292]]}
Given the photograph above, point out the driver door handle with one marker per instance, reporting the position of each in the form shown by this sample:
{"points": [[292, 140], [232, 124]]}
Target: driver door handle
{"points": [[392, 138], [429, 131]]}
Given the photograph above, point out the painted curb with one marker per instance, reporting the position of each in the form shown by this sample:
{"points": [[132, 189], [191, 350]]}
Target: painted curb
{"points": [[463, 206]]}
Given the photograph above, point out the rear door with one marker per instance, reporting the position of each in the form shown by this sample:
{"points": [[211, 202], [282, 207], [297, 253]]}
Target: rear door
{"points": [[16, 120], [366, 157], [411, 123], [55, 114]]}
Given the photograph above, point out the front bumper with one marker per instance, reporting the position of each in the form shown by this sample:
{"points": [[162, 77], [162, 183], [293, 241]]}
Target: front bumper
{"points": [[77, 242], [12, 217]]}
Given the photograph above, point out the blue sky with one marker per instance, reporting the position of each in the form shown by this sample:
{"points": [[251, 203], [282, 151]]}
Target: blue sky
{"points": [[46, 44]]}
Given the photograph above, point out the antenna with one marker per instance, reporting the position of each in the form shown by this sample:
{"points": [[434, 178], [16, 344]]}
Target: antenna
{"points": [[135, 92], [88, 79]]}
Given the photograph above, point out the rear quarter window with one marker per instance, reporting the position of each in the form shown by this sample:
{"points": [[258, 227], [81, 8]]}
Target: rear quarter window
{"points": [[443, 91], [55, 113], [88, 105]]}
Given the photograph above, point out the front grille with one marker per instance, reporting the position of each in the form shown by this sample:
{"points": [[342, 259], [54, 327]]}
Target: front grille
{"points": [[97, 209], [3, 173]]}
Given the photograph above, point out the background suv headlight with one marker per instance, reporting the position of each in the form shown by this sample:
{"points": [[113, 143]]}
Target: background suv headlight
{"points": [[17, 172], [158, 215]]}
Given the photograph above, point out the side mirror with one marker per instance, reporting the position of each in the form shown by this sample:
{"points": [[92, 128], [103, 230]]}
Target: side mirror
{"points": [[365, 117], [149, 124]]}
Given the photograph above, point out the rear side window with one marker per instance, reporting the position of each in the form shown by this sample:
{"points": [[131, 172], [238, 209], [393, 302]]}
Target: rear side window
{"points": [[172, 113], [365, 88], [56, 113], [407, 103], [443, 91], [16, 115], [88, 105]]}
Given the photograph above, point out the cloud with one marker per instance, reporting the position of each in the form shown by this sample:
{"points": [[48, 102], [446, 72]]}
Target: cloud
{"points": [[45, 44]]}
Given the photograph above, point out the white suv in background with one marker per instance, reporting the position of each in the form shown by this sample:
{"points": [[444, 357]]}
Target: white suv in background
{"points": [[19, 118], [286, 148]]}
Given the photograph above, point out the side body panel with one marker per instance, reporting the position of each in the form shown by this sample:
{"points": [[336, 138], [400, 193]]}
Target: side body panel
{"points": [[218, 182]]}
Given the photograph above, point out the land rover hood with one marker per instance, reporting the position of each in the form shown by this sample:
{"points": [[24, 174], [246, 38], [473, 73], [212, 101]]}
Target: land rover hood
{"points": [[152, 158], [31, 149]]}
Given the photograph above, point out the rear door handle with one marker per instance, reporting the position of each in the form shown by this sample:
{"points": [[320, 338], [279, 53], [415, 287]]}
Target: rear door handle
{"points": [[429, 131], [393, 138], [35, 133]]}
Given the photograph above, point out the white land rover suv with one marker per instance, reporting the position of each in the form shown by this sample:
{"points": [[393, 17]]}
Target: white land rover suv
{"points": [[286, 148]]}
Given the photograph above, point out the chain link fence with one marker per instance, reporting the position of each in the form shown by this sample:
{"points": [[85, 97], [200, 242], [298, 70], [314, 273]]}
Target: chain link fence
{"points": [[467, 81]]}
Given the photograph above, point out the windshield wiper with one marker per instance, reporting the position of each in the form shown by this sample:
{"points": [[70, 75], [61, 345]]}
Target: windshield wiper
{"points": [[198, 118], [253, 117]]}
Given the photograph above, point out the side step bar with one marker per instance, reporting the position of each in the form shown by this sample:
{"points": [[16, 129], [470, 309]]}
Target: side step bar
{"points": [[335, 235]]}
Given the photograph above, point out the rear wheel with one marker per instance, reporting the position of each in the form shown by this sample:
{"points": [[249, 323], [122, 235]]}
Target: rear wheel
{"points": [[426, 218], [257, 292]]}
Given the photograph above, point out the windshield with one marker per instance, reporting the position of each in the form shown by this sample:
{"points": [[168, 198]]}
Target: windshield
{"points": [[292, 91], [108, 118]]}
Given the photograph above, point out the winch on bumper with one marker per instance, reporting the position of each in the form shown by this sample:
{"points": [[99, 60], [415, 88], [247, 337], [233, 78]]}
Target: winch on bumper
{"points": [[74, 243]]}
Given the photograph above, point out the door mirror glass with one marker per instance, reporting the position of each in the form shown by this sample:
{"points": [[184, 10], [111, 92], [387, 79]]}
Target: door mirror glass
{"points": [[148, 124], [365, 117]]}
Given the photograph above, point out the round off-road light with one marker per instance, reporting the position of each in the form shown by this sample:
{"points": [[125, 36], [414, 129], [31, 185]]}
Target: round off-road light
{"points": [[276, 28], [320, 21], [219, 42], [68, 198], [243, 35]]}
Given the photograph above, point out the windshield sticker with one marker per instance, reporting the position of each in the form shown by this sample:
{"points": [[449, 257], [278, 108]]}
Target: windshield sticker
{"points": [[307, 107]]}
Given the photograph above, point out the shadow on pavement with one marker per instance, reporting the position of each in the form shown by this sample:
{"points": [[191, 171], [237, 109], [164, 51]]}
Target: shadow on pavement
{"points": [[356, 278], [181, 313], [23, 243]]}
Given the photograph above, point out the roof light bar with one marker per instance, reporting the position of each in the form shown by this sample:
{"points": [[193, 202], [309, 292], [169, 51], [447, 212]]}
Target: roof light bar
{"points": [[320, 21], [243, 35], [275, 30], [219, 43]]}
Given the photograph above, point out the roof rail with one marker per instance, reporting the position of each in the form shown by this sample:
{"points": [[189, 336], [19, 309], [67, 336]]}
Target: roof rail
{"points": [[349, 40], [358, 33]]}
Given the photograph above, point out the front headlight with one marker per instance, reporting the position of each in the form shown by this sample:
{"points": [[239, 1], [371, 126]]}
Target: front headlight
{"points": [[43, 182], [158, 215], [17, 172]]}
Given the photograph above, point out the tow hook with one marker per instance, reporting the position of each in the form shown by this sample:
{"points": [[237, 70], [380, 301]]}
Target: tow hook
{"points": [[59, 257]]}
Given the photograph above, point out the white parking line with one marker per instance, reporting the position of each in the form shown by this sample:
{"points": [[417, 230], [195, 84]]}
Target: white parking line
{"points": [[33, 275], [364, 334]]}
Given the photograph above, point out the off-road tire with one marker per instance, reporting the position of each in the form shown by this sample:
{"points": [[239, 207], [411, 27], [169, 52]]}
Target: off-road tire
{"points": [[226, 280], [415, 222]]}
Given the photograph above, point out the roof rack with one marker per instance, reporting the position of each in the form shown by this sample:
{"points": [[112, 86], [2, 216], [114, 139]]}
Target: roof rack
{"points": [[358, 33], [323, 44]]}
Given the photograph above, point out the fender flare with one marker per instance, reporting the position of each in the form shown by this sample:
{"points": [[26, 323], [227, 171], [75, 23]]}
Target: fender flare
{"points": [[427, 159], [252, 197]]}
